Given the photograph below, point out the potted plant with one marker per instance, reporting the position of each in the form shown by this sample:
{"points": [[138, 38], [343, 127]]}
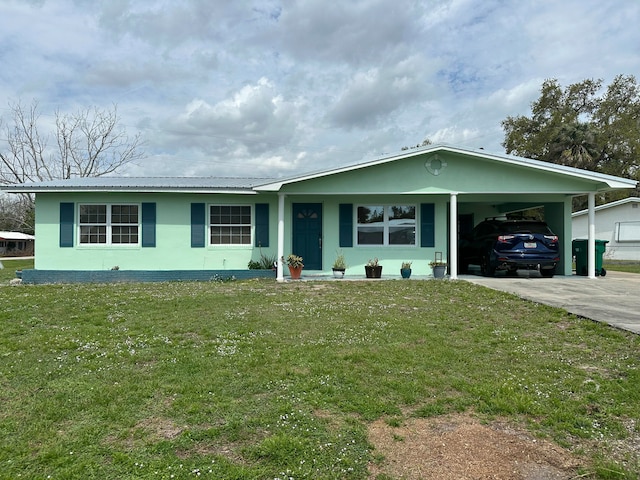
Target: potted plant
{"points": [[339, 265], [438, 266], [295, 266], [405, 270], [373, 269]]}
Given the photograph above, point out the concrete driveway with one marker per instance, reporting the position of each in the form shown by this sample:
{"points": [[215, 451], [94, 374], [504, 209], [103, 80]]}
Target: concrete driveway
{"points": [[612, 299]]}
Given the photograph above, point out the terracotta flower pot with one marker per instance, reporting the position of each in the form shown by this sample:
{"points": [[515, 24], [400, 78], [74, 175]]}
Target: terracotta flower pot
{"points": [[295, 272]]}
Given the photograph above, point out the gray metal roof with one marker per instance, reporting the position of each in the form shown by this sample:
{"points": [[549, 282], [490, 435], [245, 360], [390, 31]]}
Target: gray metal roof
{"points": [[144, 184]]}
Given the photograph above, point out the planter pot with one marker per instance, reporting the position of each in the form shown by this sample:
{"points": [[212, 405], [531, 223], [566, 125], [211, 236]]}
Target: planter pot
{"points": [[405, 272], [295, 272], [18, 273], [439, 271], [373, 272], [338, 272]]}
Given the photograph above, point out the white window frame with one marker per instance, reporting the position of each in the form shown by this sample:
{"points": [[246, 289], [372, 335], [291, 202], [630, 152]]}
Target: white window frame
{"points": [[386, 225], [628, 231], [251, 225], [109, 225]]}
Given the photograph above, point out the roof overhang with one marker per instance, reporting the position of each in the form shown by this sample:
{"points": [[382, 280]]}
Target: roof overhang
{"points": [[198, 185], [608, 181]]}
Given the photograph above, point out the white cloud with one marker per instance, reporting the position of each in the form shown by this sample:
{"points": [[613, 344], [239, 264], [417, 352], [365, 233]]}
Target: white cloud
{"points": [[256, 86]]}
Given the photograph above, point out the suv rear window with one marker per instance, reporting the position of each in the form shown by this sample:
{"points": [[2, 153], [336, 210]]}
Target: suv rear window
{"points": [[525, 227]]}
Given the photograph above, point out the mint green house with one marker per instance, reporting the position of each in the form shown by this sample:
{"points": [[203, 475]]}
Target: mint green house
{"points": [[406, 207]]}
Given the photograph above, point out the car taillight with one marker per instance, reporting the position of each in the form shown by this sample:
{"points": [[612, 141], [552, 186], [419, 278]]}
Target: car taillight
{"points": [[505, 238], [551, 238]]}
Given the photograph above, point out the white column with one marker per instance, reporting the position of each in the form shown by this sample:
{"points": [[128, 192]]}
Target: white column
{"points": [[453, 236], [280, 275], [591, 238]]}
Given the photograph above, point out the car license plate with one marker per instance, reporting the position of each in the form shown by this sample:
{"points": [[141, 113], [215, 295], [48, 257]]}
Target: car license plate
{"points": [[530, 245]]}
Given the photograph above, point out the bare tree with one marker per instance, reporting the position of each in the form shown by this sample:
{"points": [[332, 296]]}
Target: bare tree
{"points": [[16, 214], [88, 143]]}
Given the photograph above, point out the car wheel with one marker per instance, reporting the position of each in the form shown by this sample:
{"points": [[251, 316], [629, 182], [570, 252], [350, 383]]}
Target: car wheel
{"points": [[549, 272], [486, 269]]}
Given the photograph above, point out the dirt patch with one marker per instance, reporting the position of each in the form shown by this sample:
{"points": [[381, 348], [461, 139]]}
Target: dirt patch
{"points": [[460, 447]]}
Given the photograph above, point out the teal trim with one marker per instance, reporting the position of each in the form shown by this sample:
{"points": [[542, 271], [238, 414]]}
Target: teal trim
{"points": [[66, 224], [148, 224], [34, 276], [198, 223], [346, 224], [427, 225], [262, 225]]}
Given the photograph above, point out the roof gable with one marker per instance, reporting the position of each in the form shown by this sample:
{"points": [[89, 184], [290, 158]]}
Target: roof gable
{"points": [[439, 169]]}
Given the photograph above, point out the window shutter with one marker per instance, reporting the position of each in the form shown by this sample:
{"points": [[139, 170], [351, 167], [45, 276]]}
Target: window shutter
{"points": [[197, 225], [346, 224], [66, 224], [262, 224], [148, 224], [427, 225]]}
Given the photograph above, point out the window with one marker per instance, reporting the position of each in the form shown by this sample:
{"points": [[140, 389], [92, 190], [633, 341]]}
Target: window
{"points": [[109, 224], [230, 224], [628, 231], [386, 225]]}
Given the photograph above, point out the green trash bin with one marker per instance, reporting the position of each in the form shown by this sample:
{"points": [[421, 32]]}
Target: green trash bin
{"points": [[579, 248]]}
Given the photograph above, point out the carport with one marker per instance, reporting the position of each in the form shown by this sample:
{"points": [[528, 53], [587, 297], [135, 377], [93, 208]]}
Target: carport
{"points": [[501, 184]]}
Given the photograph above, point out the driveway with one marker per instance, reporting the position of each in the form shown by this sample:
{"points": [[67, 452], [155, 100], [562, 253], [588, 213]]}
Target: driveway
{"points": [[612, 299]]}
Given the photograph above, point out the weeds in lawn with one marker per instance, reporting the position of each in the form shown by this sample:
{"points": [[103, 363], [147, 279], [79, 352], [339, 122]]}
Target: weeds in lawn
{"points": [[255, 379]]}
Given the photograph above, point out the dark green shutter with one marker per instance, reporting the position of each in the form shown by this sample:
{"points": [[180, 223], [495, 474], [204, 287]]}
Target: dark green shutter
{"points": [[66, 224], [262, 224], [427, 225], [148, 224], [346, 225], [198, 222]]}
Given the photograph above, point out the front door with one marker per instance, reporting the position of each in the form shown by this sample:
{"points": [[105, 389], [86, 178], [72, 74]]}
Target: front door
{"points": [[307, 234]]}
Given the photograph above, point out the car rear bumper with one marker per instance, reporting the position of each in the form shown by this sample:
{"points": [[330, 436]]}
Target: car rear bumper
{"points": [[504, 261]]}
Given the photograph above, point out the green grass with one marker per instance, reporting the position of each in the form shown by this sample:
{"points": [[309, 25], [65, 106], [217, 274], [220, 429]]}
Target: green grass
{"points": [[260, 380], [621, 266], [10, 266]]}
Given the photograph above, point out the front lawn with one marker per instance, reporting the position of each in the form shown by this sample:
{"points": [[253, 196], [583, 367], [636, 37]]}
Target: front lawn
{"points": [[629, 266], [260, 380], [10, 266]]}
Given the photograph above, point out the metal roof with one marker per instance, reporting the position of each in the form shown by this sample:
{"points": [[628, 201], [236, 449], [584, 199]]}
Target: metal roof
{"points": [[144, 184], [608, 205], [16, 236], [253, 185]]}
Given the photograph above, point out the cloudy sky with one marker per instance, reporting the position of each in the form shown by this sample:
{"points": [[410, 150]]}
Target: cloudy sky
{"points": [[277, 87]]}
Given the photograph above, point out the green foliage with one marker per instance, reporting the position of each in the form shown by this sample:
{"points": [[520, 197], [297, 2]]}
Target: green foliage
{"points": [[266, 262], [340, 262], [582, 127], [257, 379]]}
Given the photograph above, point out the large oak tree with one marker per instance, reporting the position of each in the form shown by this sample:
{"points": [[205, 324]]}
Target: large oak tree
{"points": [[583, 126]]}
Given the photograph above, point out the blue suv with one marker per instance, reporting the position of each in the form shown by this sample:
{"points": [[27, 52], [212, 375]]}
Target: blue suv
{"points": [[499, 244]]}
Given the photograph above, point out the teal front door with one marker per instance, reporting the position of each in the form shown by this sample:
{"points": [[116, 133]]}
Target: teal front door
{"points": [[307, 234]]}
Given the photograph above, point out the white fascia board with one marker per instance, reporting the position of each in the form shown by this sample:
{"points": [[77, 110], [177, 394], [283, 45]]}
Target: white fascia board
{"points": [[131, 190], [608, 205]]}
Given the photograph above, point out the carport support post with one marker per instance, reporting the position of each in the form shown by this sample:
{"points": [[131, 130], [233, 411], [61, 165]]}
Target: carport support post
{"points": [[591, 237], [453, 236], [280, 260]]}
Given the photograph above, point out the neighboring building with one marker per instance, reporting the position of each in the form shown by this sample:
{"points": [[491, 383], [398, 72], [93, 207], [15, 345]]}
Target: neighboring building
{"points": [[397, 208], [618, 223], [16, 243]]}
